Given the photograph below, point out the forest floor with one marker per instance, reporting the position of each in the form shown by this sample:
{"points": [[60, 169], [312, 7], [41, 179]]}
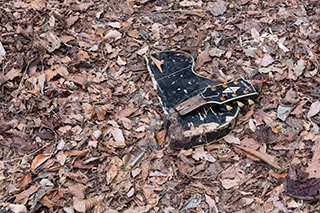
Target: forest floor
{"points": [[81, 125]]}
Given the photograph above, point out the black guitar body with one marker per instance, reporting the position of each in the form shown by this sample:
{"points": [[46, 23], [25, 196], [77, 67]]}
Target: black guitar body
{"points": [[176, 83]]}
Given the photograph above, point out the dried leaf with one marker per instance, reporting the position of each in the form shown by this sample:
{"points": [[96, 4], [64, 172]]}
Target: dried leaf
{"points": [[78, 190], [117, 134], [266, 60], [143, 50], [41, 81], [12, 74], [25, 180], [85, 205], [17, 208], [200, 154], [212, 204], [314, 109], [298, 69], [269, 159], [39, 160], [217, 8], [111, 174], [255, 34], [26, 193], [283, 112], [202, 58], [231, 139], [157, 62], [314, 166], [190, 3], [50, 41], [2, 50], [113, 34]]}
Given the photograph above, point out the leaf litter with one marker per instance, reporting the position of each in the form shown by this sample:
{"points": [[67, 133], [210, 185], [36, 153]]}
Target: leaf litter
{"points": [[76, 100]]}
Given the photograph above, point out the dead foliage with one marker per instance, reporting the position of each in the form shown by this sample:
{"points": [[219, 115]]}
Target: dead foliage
{"points": [[80, 123]]}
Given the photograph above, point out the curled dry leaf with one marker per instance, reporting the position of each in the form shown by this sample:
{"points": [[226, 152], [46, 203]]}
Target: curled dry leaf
{"points": [[39, 160]]}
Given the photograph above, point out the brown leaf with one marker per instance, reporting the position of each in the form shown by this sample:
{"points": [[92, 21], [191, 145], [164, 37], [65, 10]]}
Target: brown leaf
{"points": [[314, 166], [231, 139], [84, 205], [157, 62], [269, 159], [25, 180], [202, 58], [255, 35], [26, 193], [12, 74], [39, 160], [81, 79], [50, 41], [161, 137], [78, 190], [71, 20], [111, 173]]}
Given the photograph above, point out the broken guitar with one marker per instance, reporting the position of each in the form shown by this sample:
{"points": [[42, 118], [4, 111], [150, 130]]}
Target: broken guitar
{"points": [[198, 110]]}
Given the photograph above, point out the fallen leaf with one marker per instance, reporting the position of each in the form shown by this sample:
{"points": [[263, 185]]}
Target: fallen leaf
{"points": [[50, 41], [121, 62], [26, 193], [269, 159], [25, 180], [2, 50], [17, 208], [71, 20], [314, 109], [266, 60], [41, 81], [212, 204], [255, 34], [202, 58], [143, 50], [84, 205], [283, 112], [111, 173], [117, 134], [314, 166], [39, 160], [231, 139], [12, 74], [190, 3], [298, 69], [113, 34], [78, 190], [157, 62], [217, 8]]}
